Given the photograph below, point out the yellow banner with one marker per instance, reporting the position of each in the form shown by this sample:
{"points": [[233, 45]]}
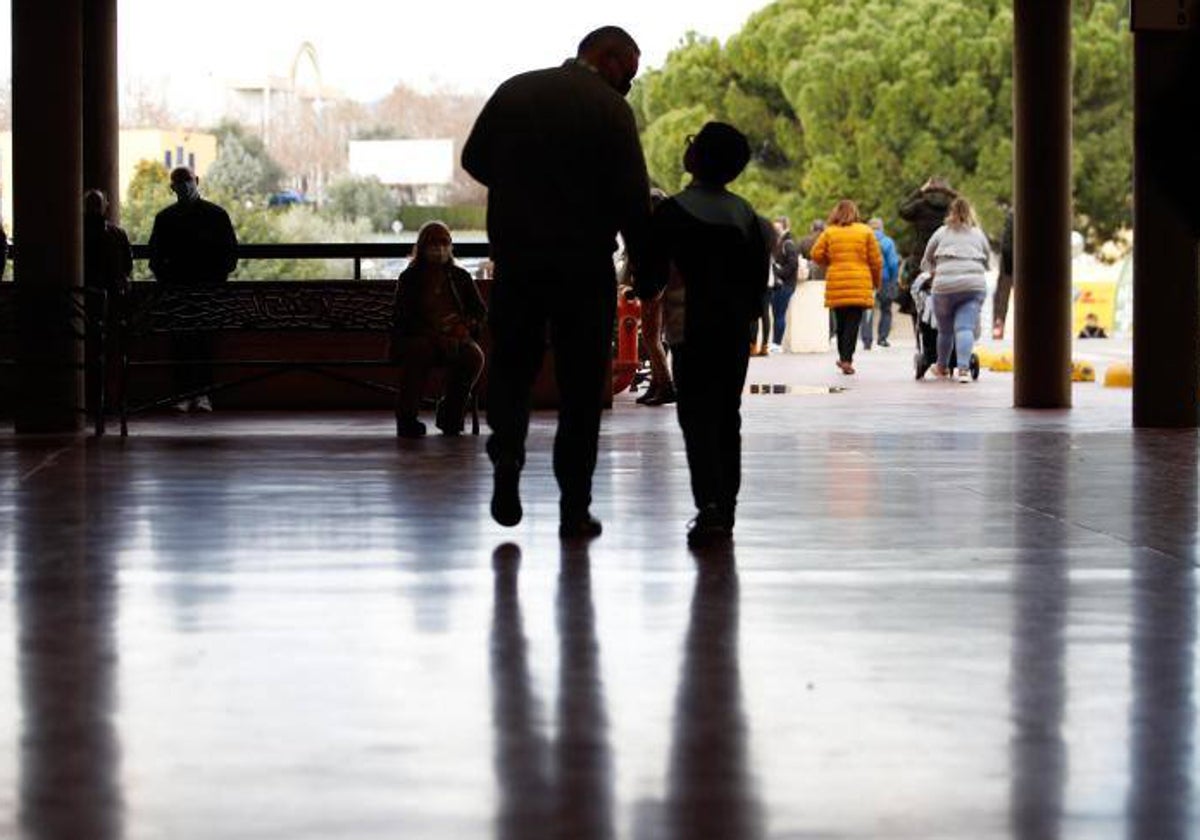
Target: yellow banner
{"points": [[1094, 298]]}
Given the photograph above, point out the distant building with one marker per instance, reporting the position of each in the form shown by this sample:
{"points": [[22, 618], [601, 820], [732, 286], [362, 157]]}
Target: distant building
{"points": [[193, 149], [420, 171]]}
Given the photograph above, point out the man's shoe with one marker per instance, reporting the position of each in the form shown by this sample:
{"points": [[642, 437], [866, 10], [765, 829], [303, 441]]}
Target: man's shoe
{"points": [[645, 399], [584, 527], [183, 406], [709, 527], [202, 404], [665, 396], [448, 427], [409, 427], [883, 342], [506, 493]]}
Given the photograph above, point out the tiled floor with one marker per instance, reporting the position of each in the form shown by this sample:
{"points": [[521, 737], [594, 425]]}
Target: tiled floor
{"points": [[942, 618]]}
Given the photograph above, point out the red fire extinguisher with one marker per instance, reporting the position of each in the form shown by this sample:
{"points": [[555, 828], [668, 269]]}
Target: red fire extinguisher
{"points": [[629, 318]]}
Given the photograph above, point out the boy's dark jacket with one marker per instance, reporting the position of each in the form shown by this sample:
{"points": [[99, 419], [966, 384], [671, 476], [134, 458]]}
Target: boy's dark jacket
{"points": [[721, 248]]}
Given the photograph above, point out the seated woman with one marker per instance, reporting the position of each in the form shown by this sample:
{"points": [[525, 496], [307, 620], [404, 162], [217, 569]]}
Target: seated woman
{"points": [[435, 319]]}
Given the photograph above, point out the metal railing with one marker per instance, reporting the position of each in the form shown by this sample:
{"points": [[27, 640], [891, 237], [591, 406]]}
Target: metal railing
{"points": [[353, 251]]}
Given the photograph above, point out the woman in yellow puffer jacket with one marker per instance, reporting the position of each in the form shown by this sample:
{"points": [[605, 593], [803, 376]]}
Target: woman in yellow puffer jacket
{"points": [[854, 268]]}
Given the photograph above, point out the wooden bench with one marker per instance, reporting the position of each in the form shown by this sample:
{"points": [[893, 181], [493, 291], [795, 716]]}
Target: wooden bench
{"points": [[334, 316]]}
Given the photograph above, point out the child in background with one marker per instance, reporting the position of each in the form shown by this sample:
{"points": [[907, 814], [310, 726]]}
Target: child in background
{"points": [[718, 248]]}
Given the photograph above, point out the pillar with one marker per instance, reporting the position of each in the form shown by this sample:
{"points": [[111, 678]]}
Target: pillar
{"points": [[47, 221], [101, 120], [1166, 288], [1042, 214]]}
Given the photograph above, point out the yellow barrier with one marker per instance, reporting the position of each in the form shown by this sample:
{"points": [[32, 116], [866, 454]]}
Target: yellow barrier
{"points": [[1119, 375], [1002, 363], [1083, 372], [986, 356]]}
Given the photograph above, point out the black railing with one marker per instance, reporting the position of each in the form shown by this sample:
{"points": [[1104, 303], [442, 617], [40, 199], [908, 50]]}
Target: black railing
{"points": [[354, 251]]}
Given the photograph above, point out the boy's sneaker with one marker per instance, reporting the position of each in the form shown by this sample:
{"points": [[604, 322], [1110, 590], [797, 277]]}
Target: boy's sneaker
{"points": [[202, 404], [964, 376]]}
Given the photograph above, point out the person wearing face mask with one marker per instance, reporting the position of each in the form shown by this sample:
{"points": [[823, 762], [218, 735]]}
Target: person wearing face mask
{"points": [[558, 150], [192, 244], [436, 315]]}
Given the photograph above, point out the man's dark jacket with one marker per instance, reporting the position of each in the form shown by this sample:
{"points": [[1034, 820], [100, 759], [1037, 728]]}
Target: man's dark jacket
{"points": [[558, 150], [193, 244]]}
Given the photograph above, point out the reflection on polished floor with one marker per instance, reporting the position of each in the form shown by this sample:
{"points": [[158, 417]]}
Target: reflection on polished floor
{"points": [[941, 619]]}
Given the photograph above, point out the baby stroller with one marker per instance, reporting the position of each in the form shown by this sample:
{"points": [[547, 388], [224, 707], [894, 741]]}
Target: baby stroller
{"points": [[925, 329]]}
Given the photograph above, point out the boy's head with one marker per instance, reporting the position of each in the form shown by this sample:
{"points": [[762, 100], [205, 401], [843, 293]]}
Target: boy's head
{"points": [[718, 154], [1091, 320]]}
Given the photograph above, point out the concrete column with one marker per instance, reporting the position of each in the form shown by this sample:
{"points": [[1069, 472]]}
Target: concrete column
{"points": [[101, 119], [1166, 290], [47, 221], [1042, 214]]}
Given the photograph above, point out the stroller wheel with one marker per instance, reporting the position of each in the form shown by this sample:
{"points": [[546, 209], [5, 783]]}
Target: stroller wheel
{"points": [[974, 366], [920, 365]]}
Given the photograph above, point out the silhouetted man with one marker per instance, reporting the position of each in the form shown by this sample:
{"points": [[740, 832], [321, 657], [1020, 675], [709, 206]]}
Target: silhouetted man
{"points": [[559, 153], [107, 265], [192, 244]]}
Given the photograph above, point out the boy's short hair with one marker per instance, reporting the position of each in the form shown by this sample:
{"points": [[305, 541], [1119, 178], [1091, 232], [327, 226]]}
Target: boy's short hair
{"points": [[717, 154]]}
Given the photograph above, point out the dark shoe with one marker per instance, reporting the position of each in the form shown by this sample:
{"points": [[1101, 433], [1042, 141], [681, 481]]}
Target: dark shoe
{"points": [[506, 493], [645, 399], [883, 342], [664, 396], [583, 527], [448, 427], [409, 427], [709, 527]]}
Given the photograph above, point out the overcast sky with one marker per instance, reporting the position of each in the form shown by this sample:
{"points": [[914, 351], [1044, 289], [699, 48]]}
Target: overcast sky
{"points": [[367, 46]]}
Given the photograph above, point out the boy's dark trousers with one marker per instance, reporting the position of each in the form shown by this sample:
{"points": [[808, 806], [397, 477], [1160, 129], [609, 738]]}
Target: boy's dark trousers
{"points": [[709, 377]]}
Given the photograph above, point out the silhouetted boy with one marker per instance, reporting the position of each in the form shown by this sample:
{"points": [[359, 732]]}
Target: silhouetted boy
{"points": [[720, 249]]}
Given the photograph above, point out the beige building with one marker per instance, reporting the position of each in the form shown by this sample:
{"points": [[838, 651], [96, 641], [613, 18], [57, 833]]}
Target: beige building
{"points": [[194, 149]]}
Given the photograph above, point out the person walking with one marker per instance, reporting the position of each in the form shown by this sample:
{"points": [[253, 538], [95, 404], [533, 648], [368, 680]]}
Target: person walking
{"points": [[785, 269], [924, 209], [957, 256], [1004, 282], [192, 244], [720, 249], [853, 272], [559, 152], [889, 289]]}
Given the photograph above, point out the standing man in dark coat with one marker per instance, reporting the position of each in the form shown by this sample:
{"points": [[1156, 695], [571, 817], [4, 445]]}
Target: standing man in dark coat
{"points": [[558, 150], [925, 210], [192, 244]]}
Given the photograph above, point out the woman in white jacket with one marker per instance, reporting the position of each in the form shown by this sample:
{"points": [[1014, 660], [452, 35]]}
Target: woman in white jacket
{"points": [[958, 256]]}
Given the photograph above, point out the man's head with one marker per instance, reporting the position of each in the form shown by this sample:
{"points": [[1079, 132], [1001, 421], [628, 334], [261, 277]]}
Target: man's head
{"points": [[95, 204], [614, 55], [718, 154], [185, 184], [876, 224], [1091, 320], [782, 224]]}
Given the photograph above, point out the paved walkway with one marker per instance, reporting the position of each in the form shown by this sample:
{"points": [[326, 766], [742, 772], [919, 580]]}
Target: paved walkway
{"points": [[942, 618]]}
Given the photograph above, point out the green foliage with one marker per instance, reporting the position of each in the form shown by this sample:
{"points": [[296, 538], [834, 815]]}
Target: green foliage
{"points": [[149, 191], [368, 198], [462, 217], [867, 98], [243, 167]]}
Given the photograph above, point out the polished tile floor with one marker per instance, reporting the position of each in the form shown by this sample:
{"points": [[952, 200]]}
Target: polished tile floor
{"points": [[942, 618]]}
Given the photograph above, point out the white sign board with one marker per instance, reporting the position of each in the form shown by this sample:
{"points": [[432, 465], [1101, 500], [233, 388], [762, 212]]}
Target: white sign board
{"points": [[1165, 15]]}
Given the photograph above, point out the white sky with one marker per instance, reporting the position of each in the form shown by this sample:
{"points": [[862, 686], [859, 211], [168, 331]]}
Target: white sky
{"points": [[367, 46]]}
